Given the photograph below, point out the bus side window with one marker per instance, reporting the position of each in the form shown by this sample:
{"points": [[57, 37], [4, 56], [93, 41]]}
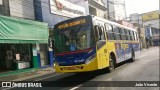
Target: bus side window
{"points": [[129, 32], [126, 34], [110, 33], [103, 34], [99, 32], [96, 28], [137, 36], [132, 35], [123, 34], [117, 32]]}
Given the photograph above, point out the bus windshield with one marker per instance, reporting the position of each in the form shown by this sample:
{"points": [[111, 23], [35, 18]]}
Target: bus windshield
{"points": [[73, 38]]}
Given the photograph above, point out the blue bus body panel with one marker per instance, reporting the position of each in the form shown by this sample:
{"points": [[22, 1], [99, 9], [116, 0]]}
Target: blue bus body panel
{"points": [[74, 59], [124, 53]]}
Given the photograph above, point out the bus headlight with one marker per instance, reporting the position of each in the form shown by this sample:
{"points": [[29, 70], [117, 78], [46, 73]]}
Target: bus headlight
{"points": [[56, 63], [88, 60]]}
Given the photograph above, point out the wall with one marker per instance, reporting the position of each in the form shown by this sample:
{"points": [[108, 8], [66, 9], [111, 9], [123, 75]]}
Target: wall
{"points": [[45, 15], [22, 8], [4, 7], [117, 9], [83, 3], [120, 12], [101, 10], [135, 18]]}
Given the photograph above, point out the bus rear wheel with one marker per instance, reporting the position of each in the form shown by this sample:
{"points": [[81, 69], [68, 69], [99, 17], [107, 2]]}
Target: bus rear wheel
{"points": [[132, 56]]}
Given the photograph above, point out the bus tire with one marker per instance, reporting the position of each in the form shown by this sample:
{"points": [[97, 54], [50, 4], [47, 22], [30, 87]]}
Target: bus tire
{"points": [[132, 56], [111, 66]]}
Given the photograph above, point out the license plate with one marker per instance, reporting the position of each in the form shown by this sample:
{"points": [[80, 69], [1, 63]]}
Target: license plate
{"points": [[71, 68]]}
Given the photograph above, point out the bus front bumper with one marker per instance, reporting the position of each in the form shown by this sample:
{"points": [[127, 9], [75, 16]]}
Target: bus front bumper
{"points": [[77, 68]]}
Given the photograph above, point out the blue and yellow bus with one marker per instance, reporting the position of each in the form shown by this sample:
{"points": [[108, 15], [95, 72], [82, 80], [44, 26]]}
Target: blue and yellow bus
{"points": [[89, 43]]}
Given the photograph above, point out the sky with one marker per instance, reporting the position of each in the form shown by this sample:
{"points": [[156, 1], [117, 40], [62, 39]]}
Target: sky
{"points": [[141, 6]]}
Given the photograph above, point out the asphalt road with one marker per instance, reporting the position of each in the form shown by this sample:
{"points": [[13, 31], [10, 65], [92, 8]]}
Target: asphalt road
{"points": [[145, 68]]}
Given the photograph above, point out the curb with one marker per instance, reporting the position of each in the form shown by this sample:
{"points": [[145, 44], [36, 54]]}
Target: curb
{"points": [[17, 72], [33, 76]]}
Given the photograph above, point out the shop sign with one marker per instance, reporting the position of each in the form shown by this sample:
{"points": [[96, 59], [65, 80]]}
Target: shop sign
{"points": [[65, 8], [150, 16], [23, 65], [34, 52], [125, 23], [1, 3], [17, 56]]}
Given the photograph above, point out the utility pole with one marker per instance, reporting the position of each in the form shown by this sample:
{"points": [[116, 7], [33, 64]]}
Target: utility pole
{"points": [[139, 32], [108, 10], [125, 8]]}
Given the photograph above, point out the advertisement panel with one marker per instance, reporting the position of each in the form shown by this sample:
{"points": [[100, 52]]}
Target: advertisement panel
{"points": [[65, 8], [150, 16], [125, 23]]}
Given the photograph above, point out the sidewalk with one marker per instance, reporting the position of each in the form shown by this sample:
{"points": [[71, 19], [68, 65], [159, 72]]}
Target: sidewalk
{"points": [[28, 75]]}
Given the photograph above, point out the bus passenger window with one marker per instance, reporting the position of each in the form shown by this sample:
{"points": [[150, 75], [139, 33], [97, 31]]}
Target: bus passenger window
{"points": [[117, 32], [126, 34], [123, 34], [99, 32], [133, 36], [129, 34], [137, 36], [96, 28], [110, 33], [103, 34]]}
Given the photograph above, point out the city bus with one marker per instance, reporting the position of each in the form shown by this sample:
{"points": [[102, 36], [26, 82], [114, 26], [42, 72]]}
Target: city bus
{"points": [[89, 43]]}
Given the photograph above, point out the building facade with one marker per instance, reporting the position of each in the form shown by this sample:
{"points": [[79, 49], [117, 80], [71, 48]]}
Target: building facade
{"points": [[151, 22], [136, 19], [151, 19], [24, 9], [116, 10], [18, 43], [97, 8], [17, 8]]}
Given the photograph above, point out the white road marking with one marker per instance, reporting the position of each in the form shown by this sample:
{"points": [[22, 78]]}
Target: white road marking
{"points": [[75, 87]]}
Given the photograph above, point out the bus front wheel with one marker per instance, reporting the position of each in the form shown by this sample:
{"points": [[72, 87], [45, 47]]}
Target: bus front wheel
{"points": [[111, 64]]}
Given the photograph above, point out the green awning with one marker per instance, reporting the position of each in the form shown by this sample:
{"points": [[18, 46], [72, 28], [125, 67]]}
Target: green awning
{"points": [[16, 30]]}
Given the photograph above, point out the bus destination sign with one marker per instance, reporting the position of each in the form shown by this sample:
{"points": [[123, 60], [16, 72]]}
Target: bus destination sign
{"points": [[73, 23]]}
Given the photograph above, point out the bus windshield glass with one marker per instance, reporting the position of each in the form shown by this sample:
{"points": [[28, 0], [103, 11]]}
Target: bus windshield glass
{"points": [[73, 39]]}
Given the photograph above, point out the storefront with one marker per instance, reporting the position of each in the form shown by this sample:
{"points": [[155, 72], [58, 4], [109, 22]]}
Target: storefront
{"points": [[19, 43]]}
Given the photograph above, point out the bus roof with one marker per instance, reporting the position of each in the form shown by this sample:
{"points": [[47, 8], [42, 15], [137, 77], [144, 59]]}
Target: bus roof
{"points": [[112, 23], [97, 18]]}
